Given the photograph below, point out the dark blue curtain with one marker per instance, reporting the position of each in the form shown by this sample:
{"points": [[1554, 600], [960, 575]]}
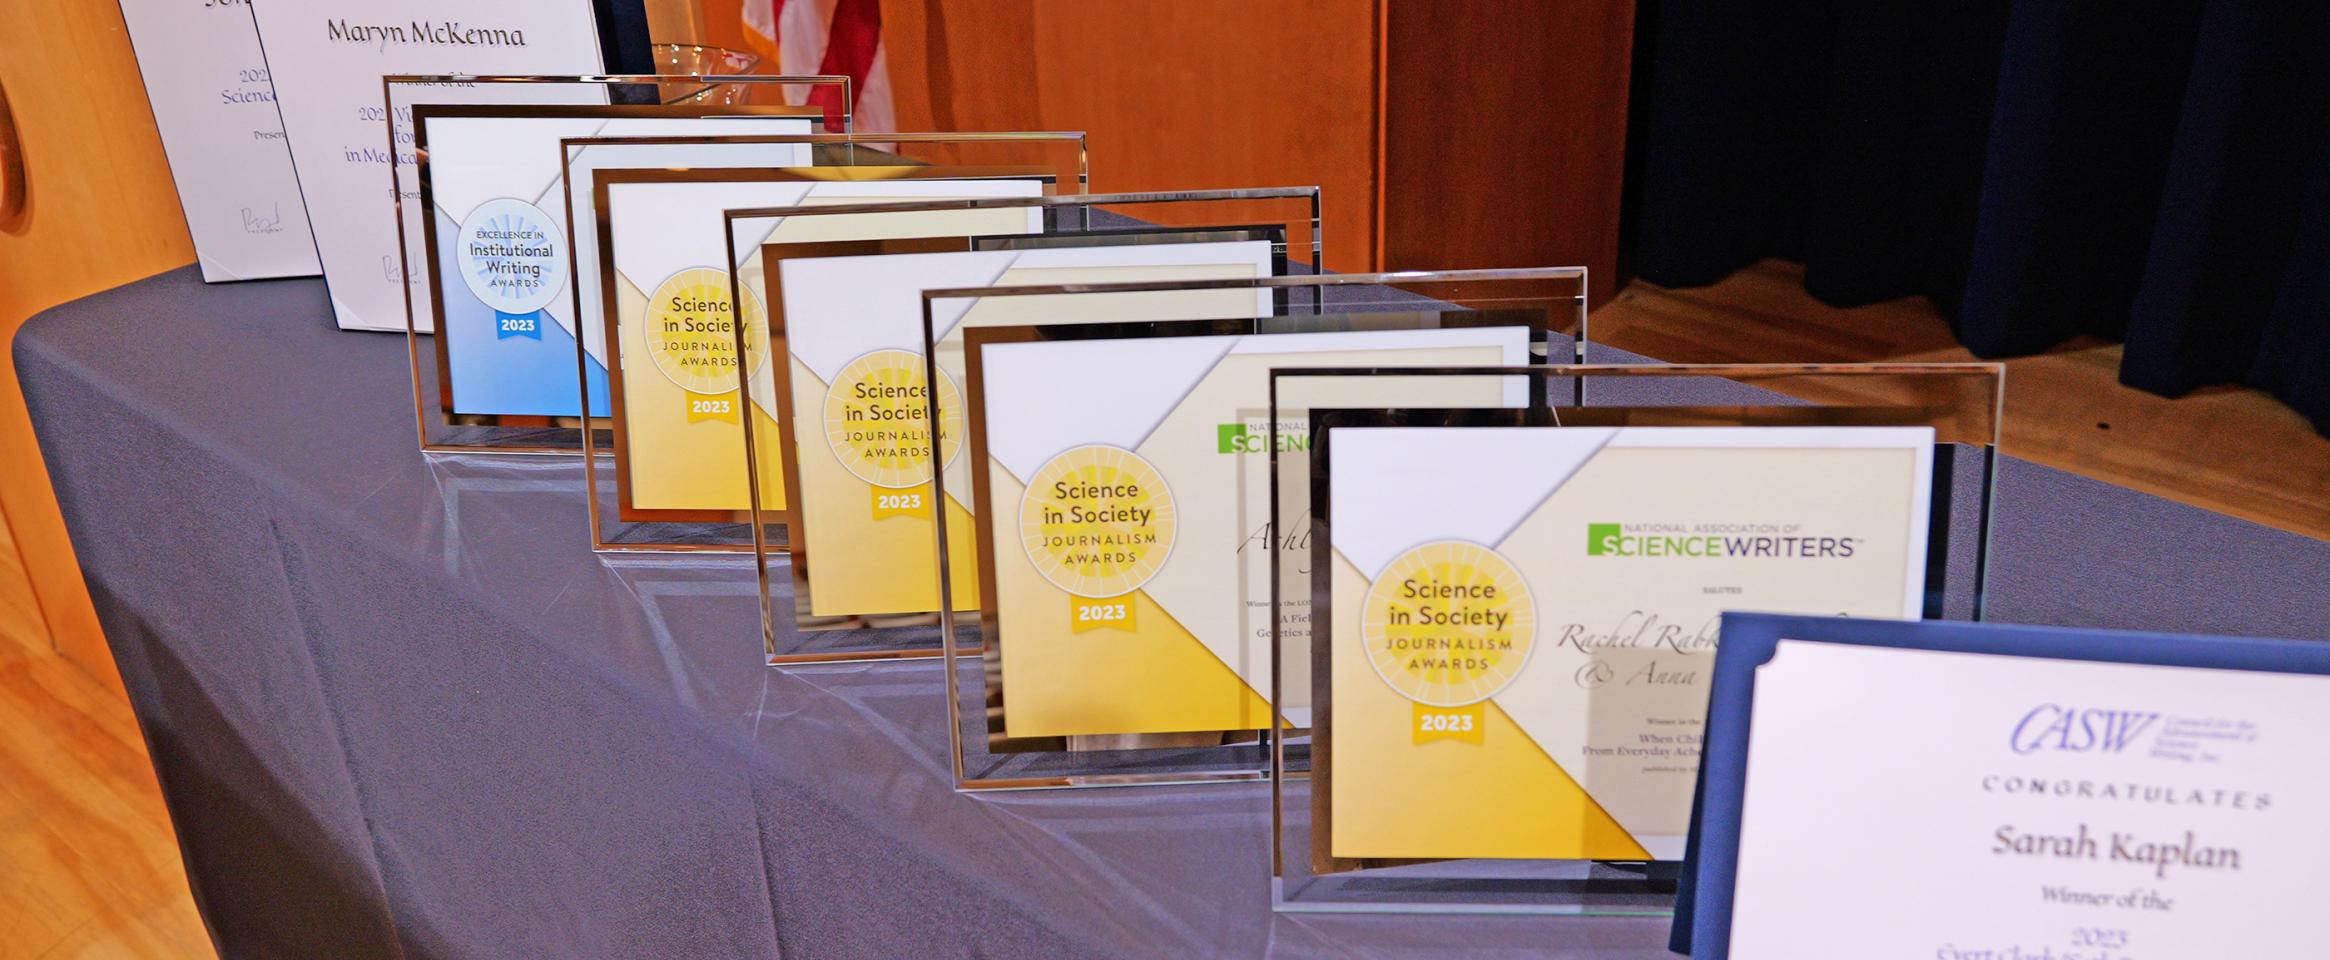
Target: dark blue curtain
{"points": [[2157, 173], [623, 42]]}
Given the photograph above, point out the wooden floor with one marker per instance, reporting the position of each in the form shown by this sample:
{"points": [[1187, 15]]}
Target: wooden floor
{"points": [[88, 867], [2229, 449], [19, 612]]}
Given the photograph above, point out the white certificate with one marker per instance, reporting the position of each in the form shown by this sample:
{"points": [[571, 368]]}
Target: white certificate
{"points": [[1129, 583], [854, 324], [215, 108], [1524, 620], [494, 181], [679, 435], [1922, 803], [327, 58], [584, 160]]}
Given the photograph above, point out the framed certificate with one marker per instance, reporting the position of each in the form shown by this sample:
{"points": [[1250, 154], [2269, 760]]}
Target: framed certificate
{"points": [[2025, 791], [681, 358], [1052, 719], [214, 104], [585, 156], [326, 60], [1517, 610], [496, 254], [1117, 613], [863, 576]]}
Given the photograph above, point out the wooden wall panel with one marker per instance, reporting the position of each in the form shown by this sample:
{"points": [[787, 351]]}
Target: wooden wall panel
{"points": [[1446, 133], [1505, 134], [102, 213], [1186, 95]]}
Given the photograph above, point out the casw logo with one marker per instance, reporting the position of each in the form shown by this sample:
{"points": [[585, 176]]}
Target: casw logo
{"points": [[2052, 726]]}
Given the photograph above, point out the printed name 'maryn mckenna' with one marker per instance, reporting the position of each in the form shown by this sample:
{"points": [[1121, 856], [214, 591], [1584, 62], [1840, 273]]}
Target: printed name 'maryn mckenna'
{"points": [[449, 33]]}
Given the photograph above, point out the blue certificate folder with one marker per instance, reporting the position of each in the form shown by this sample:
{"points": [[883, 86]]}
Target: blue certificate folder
{"points": [[1704, 896]]}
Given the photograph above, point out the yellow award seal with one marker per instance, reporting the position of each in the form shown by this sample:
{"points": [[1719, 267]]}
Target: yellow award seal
{"points": [[877, 419], [1097, 521], [1448, 623], [691, 337]]}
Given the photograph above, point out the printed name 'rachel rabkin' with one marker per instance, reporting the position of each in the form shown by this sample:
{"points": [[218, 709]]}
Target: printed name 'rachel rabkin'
{"points": [[2183, 853]]}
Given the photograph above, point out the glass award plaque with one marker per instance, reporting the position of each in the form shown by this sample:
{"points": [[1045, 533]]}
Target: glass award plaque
{"points": [[1116, 492], [484, 232], [1514, 612], [668, 462], [585, 156], [847, 519]]}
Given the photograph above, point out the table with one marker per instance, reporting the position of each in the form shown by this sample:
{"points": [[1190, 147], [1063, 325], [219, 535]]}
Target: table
{"points": [[400, 710]]}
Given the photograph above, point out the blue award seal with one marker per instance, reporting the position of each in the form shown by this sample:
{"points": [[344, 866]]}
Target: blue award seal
{"points": [[514, 262]]}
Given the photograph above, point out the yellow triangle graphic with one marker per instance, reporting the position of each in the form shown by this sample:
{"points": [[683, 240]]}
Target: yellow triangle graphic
{"points": [[1502, 797], [1159, 679], [1393, 798]]}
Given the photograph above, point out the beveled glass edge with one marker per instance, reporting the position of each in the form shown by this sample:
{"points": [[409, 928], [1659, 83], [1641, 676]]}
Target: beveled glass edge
{"points": [[1578, 298], [788, 519], [732, 217], [982, 544], [948, 642], [1271, 739], [521, 439], [590, 452], [1749, 373], [976, 785], [388, 85], [440, 79], [1318, 280], [763, 517], [1058, 200], [1744, 373], [1030, 136]]}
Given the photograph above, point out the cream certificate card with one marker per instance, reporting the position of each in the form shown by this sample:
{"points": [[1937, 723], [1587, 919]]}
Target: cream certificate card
{"points": [[854, 339], [677, 409], [215, 106], [327, 58], [1128, 533], [1524, 618], [2023, 807]]}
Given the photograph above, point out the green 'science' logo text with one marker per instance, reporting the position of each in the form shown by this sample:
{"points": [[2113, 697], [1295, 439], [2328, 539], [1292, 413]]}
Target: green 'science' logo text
{"points": [[1293, 437], [1714, 541]]}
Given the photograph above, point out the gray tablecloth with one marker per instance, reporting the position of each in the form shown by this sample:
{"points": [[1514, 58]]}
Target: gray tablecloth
{"points": [[399, 709]]}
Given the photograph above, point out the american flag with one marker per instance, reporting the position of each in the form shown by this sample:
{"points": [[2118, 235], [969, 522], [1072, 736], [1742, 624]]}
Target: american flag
{"points": [[802, 37]]}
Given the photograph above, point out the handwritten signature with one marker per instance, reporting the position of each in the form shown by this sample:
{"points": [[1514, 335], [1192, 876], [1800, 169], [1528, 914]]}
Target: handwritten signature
{"points": [[272, 223]]}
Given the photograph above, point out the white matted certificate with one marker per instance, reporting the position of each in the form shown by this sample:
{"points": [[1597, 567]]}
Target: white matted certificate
{"points": [[1123, 533], [1525, 618], [585, 157], [854, 339], [1960, 790], [328, 58], [675, 385], [215, 108]]}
